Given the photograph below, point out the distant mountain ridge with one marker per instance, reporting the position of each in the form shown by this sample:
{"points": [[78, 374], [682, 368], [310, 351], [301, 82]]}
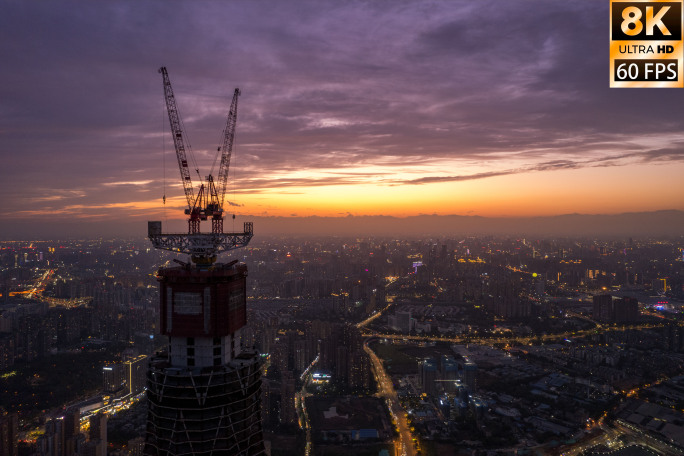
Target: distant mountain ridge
{"points": [[656, 223]]}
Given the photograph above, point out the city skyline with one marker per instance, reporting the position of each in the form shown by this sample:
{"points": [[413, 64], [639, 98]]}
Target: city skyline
{"points": [[448, 108], [440, 346]]}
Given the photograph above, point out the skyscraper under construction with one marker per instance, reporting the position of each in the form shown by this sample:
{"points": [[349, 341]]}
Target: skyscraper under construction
{"points": [[204, 391]]}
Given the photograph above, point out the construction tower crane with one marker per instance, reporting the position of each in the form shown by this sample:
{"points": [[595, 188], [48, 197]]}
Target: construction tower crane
{"points": [[217, 189], [203, 247], [179, 143]]}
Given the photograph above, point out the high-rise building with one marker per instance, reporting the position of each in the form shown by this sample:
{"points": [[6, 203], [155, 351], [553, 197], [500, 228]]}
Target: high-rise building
{"points": [[470, 376], [204, 394], [288, 414], [72, 428], [136, 446], [302, 358], [626, 310], [6, 348], [266, 398], [342, 354], [659, 285], [428, 375], [401, 321], [8, 433], [98, 433], [135, 372], [92, 448], [603, 307], [112, 377], [52, 442], [622, 310], [448, 370]]}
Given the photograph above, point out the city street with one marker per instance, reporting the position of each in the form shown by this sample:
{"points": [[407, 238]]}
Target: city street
{"points": [[403, 445]]}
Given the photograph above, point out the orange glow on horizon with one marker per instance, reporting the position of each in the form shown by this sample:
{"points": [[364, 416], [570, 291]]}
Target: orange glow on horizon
{"points": [[597, 190], [588, 190]]}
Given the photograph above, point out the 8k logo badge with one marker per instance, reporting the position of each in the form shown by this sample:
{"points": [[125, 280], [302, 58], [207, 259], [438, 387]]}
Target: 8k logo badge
{"points": [[646, 44]]}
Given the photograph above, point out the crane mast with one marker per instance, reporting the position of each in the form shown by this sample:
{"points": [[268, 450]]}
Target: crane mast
{"points": [[203, 247]]}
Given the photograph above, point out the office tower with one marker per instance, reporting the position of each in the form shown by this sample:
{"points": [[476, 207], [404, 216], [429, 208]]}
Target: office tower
{"points": [[135, 371]]}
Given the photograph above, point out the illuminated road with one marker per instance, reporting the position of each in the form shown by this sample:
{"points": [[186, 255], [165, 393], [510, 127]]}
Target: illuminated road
{"points": [[40, 286], [508, 340], [662, 448], [611, 438], [300, 406], [653, 314], [303, 415], [404, 444], [373, 317], [36, 292], [612, 433], [570, 313], [378, 313], [115, 407], [608, 438]]}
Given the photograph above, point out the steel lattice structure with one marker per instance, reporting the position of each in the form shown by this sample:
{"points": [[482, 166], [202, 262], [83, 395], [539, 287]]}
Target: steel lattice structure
{"points": [[210, 412], [201, 245]]}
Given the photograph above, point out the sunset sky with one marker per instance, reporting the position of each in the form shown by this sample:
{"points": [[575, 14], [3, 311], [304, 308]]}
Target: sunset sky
{"points": [[490, 108]]}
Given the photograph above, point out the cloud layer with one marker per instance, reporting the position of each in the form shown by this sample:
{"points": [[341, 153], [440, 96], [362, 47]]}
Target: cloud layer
{"points": [[334, 93]]}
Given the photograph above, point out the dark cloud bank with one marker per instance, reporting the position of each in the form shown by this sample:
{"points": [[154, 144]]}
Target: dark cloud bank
{"points": [[325, 84]]}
